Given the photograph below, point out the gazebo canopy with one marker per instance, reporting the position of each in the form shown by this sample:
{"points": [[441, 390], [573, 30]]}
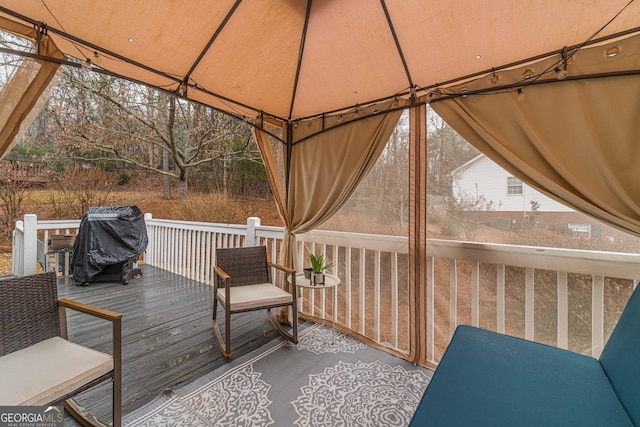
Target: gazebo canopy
{"points": [[294, 59]]}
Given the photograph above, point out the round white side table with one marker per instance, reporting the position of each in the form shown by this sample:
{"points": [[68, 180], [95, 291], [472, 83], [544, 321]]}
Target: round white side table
{"points": [[330, 282]]}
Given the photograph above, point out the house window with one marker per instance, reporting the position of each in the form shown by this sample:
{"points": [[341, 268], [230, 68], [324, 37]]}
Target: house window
{"points": [[514, 186], [579, 228]]}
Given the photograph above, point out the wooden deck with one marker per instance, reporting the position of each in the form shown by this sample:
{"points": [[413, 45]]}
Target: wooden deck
{"points": [[167, 338]]}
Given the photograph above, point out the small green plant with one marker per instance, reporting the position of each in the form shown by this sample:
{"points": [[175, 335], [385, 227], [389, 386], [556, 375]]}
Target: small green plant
{"points": [[317, 263]]}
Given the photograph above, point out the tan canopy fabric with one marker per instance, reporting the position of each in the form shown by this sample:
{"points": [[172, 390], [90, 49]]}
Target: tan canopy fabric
{"points": [[24, 89], [316, 176], [574, 139], [296, 59]]}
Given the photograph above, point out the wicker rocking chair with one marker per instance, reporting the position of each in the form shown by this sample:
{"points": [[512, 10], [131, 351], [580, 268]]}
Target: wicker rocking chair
{"points": [[242, 282], [38, 364]]}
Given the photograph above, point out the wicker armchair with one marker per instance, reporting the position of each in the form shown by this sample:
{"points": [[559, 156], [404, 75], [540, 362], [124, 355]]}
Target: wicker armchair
{"points": [[38, 364], [242, 282]]}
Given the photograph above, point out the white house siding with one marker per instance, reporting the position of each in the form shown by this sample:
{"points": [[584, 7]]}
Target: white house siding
{"points": [[481, 176]]}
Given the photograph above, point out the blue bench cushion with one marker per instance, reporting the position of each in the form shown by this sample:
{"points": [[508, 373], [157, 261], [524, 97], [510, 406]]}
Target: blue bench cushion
{"points": [[621, 357], [490, 379]]}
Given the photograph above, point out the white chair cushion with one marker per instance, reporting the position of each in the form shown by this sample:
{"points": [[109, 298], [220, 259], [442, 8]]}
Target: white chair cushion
{"points": [[254, 296], [45, 371]]}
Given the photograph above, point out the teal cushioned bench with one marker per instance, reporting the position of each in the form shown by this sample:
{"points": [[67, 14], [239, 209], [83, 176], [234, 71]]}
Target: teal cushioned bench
{"points": [[490, 379]]}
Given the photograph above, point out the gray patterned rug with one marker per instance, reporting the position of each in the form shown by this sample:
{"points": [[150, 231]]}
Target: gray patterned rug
{"points": [[327, 379]]}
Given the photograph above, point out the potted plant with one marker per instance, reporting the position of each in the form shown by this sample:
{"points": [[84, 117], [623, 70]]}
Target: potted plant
{"points": [[318, 268]]}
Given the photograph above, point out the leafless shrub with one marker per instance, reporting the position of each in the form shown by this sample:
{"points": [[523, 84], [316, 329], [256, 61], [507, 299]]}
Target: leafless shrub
{"points": [[61, 198], [77, 191], [212, 207], [13, 197]]}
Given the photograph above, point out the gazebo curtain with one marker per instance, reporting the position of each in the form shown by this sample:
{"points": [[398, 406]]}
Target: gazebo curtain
{"points": [[576, 140], [24, 89], [315, 174]]}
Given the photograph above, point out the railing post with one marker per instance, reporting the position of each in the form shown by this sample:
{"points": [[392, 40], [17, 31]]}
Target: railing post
{"points": [[149, 252], [251, 238], [30, 244]]}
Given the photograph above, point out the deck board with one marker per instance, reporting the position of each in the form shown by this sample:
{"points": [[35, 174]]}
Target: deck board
{"points": [[167, 338]]}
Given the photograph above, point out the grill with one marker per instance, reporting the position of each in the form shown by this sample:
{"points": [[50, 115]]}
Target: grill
{"points": [[108, 244]]}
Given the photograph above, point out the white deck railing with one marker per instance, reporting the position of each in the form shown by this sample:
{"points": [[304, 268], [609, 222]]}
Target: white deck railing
{"points": [[29, 246], [188, 248], [373, 297], [373, 294], [595, 267]]}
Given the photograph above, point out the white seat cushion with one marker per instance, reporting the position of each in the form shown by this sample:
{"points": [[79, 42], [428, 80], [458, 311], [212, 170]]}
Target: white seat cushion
{"points": [[45, 371], [254, 296]]}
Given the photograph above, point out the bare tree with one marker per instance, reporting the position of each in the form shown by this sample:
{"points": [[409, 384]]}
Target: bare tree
{"points": [[446, 151], [465, 215], [390, 180], [109, 119]]}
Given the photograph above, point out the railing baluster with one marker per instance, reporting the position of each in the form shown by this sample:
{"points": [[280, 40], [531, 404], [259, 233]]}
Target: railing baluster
{"points": [[204, 254], [173, 250], [563, 310], [311, 292], [323, 295], [361, 291], [453, 297], [175, 234], [208, 259], [165, 259], [301, 254], [475, 293], [394, 300], [500, 302], [529, 304], [347, 287], [186, 250], [190, 254], [199, 268], [274, 253], [376, 296], [199, 253], [67, 262], [180, 237], [168, 260], [156, 252], [597, 316], [430, 309], [334, 295], [186, 257]]}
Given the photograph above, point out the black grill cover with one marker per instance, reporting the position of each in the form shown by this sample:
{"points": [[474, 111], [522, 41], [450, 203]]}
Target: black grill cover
{"points": [[108, 235]]}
